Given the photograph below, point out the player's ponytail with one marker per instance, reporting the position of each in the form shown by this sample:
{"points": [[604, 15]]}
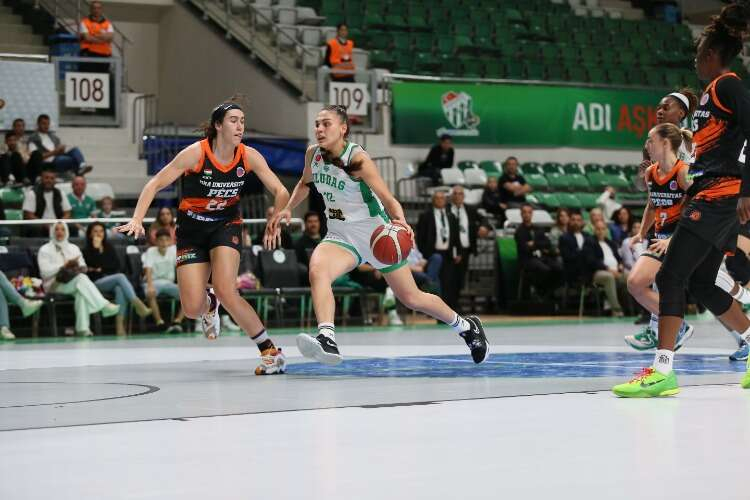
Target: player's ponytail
{"points": [[726, 31], [328, 157]]}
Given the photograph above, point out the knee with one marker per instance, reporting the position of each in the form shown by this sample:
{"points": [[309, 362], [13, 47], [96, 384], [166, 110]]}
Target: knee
{"points": [[225, 293], [193, 307], [412, 299], [637, 283], [319, 276], [666, 279]]}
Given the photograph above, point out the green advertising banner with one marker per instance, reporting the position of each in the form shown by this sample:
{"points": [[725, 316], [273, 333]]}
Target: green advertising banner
{"points": [[522, 115]]}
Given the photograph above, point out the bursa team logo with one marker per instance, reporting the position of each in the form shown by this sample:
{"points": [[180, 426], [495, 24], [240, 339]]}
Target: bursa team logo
{"points": [[673, 185], [457, 108], [240, 171]]}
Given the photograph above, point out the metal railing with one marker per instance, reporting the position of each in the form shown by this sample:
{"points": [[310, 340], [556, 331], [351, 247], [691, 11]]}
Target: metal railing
{"points": [[68, 15], [143, 116], [246, 25], [388, 171]]}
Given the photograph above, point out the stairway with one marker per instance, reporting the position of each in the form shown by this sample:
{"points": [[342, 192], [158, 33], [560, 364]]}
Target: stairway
{"points": [[16, 37]]}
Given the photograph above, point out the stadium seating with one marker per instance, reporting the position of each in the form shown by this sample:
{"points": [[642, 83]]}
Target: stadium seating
{"points": [[554, 41]]}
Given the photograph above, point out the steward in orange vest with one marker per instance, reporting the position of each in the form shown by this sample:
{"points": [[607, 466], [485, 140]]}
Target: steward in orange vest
{"points": [[339, 54], [96, 33]]}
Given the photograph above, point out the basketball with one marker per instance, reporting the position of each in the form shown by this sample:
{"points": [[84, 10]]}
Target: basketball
{"points": [[390, 243]]}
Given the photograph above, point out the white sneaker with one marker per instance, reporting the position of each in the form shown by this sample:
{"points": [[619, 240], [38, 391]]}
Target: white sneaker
{"points": [[394, 319], [227, 323], [29, 307], [272, 362], [389, 299], [6, 334], [210, 322], [85, 333]]}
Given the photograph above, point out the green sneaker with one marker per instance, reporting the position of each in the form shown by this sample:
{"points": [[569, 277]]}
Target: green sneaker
{"points": [[745, 382], [649, 383], [642, 341]]}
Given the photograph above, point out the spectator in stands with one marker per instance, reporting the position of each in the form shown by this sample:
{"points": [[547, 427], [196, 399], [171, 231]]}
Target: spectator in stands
{"points": [[54, 152], [4, 231], [437, 233], [9, 295], [536, 256], [309, 239], [513, 187], [11, 160], [571, 251], [339, 55], [607, 202], [492, 199], [426, 272], [596, 215], [82, 205], [61, 267], [604, 263], [104, 269], [440, 157], [31, 163], [45, 201], [159, 264], [562, 218], [470, 227], [107, 211], [96, 33], [621, 225], [164, 220]]}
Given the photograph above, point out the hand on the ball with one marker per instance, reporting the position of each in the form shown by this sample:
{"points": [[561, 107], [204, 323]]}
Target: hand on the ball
{"points": [[402, 222]]}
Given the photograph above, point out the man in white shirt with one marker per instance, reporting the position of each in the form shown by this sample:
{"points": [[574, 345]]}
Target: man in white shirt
{"points": [[45, 201], [159, 263], [54, 152]]}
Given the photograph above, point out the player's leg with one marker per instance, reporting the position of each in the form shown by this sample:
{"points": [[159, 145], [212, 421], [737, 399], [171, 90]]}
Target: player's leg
{"points": [[469, 328], [192, 279], [225, 263], [328, 262]]}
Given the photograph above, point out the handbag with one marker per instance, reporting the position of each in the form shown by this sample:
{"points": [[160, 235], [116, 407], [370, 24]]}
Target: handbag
{"points": [[65, 274]]}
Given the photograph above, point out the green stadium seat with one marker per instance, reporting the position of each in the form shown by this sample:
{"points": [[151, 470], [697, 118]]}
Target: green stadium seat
{"points": [[578, 182], [404, 62], [450, 65], [533, 71], [537, 181], [494, 69], [592, 167], [577, 74], [13, 214], [422, 42], [530, 50], [531, 168], [11, 196], [569, 53], [382, 59], [617, 76], [588, 200], [513, 70], [552, 167], [630, 170], [612, 169], [472, 68], [426, 62], [513, 16], [401, 42], [550, 52], [493, 168], [572, 168], [547, 200], [600, 180], [483, 30], [463, 165], [554, 72], [446, 45], [379, 40], [559, 182], [463, 29], [464, 44], [568, 200]]}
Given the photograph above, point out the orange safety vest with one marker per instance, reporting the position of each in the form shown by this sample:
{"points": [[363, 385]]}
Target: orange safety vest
{"points": [[95, 28], [341, 57]]}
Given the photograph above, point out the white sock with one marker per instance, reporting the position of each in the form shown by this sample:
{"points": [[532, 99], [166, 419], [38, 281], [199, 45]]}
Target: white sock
{"points": [[261, 337], [663, 361], [459, 324], [654, 324], [328, 330], [737, 337], [746, 335]]}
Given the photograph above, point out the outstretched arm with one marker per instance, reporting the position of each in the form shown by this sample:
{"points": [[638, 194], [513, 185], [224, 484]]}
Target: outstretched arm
{"points": [[300, 192], [185, 159], [272, 236]]}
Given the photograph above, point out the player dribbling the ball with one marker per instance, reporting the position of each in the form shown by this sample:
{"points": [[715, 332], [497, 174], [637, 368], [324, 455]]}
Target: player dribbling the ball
{"points": [[357, 202]]}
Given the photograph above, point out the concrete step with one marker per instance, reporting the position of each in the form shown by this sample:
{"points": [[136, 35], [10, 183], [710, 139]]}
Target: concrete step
{"points": [[123, 186], [23, 49], [20, 38], [10, 18], [5, 10], [15, 28]]}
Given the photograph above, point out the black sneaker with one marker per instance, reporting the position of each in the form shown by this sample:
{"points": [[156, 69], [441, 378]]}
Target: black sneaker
{"points": [[476, 340], [320, 348]]}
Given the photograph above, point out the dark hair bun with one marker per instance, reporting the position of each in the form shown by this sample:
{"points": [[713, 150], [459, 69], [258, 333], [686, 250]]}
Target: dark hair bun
{"points": [[733, 19]]}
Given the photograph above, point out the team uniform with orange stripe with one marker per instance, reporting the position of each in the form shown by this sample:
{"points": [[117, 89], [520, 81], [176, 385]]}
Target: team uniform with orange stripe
{"points": [[208, 215], [723, 123], [667, 198]]}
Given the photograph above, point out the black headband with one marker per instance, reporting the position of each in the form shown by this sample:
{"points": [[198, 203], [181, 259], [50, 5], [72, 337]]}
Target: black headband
{"points": [[219, 111]]}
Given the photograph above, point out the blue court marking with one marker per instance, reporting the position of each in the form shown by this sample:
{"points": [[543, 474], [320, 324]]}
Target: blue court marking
{"points": [[531, 364]]}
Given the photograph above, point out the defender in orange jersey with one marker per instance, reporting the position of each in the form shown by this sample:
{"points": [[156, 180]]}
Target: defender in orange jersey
{"points": [[209, 228]]}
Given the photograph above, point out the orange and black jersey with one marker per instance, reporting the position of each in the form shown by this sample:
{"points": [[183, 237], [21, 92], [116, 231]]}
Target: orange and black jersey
{"points": [[723, 126], [210, 190], [667, 198]]}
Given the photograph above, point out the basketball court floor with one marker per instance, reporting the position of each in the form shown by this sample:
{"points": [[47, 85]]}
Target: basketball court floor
{"points": [[406, 416]]}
